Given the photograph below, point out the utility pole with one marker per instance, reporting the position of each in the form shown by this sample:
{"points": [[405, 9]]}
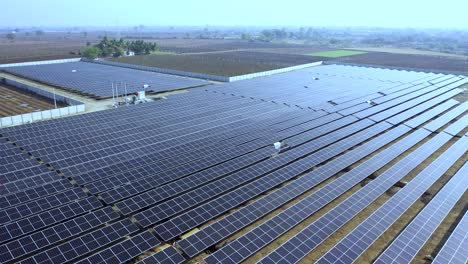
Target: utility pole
{"points": [[55, 101]]}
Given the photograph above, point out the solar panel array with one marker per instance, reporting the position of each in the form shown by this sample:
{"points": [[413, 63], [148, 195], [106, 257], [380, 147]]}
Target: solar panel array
{"points": [[408, 243], [331, 87], [96, 79], [368, 231], [182, 179], [454, 250]]}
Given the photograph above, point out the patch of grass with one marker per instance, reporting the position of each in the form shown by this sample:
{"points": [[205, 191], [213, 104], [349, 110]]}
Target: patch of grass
{"points": [[336, 53], [158, 52]]}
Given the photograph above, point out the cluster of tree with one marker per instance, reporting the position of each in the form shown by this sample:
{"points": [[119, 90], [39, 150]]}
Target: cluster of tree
{"points": [[269, 35], [12, 35], [117, 48], [441, 41]]}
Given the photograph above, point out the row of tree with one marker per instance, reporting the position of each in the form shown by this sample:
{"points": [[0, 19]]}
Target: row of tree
{"points": [[12, 35], [117, 48]]}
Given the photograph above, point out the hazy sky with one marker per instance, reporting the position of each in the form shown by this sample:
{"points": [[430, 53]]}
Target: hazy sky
{"points": [[385, 13]]}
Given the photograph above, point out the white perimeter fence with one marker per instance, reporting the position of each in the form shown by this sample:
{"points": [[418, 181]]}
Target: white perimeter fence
{"points": [[75, 106]]}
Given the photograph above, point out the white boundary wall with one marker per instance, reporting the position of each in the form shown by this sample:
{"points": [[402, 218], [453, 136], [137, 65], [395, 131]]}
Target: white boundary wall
{"points": [[170, 71], [39, 62], [76, 107], [41, 115], [202, 75], [277, 71]]}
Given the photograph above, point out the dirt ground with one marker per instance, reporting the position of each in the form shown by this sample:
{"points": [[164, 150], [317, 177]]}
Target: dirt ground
{"points": [[230, 63], [440, 63], [412, 51]]}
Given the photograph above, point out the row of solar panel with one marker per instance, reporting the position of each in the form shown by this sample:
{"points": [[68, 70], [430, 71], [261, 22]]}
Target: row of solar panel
{"points": [[446, 121], [309, 92], [305, 241], [97, 79], [320, 156]]}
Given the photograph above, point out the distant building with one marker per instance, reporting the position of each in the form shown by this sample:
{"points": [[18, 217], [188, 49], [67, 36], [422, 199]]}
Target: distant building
{"points": [[129, 53]]}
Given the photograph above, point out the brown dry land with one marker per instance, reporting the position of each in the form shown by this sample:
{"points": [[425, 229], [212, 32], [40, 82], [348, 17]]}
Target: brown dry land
{"points": [[412, 51], [224, 57], [441, 63], [15, 102], [50, 46], [224, 64]]}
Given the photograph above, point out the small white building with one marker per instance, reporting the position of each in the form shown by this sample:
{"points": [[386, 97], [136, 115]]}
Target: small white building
{"points": [[129, 53]]}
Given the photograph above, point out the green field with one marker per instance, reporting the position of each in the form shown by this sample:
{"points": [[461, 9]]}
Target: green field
{"points": [[158, 52], [336, 53]]}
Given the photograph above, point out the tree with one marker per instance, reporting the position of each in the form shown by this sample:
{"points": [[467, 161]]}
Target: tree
{"points": [[119, 52], [92, 52], [140, 47], [116, 48], [246, 36], [11, 36], [267, 35], [39, 32]]}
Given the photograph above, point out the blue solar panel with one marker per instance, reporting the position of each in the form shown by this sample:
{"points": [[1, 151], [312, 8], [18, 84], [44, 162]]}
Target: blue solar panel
{"points": [[168, 255], [175, 165], [371, 228], [405, 247], [256, 239], [454, 250], [195, 244], [96, 79], [124, 251]]}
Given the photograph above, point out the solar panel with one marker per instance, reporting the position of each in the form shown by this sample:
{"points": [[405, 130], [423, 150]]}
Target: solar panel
{"points": [[440, 95], [415, 111], [310, 237], [352, 246], [382, 106], [195, 244], [61, 232], [405, 247], [164, 210], [382, 99], [164, 131], [168, 255], [11, 174], [420, 119], [39, 205], [85, 244], [454, 250], [198, 131], [124, 251], [186, 221], [265, 233], [96, 79], [457, 126], [33, 223], [311, 93], [29, 183], [175, 165], [156, 213], [186, 183], [35, 193], [86, 162], [210, 174], [131, 170], [207, 157], [445, 118], [407, 90]]}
